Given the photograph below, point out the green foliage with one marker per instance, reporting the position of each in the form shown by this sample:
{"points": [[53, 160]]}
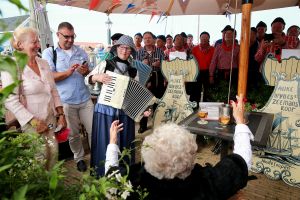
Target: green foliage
{"points": [[5, 37], [258, 96], [19, 4], [114, 186], [219, 92], [22, 169]]}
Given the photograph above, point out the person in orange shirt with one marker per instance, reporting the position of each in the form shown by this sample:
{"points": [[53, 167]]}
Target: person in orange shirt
{"points": [[203, 54]]}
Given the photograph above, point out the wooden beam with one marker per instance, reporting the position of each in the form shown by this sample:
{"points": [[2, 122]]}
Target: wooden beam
{"points": [[244, 47]]}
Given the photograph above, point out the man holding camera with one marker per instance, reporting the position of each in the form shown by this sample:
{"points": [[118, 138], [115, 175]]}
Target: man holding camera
{"points": [[272, 43], [69, 64]]}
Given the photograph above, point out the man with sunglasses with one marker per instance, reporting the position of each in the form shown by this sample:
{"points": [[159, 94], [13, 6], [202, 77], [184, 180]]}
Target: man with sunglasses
{"points": [[69, 64]]}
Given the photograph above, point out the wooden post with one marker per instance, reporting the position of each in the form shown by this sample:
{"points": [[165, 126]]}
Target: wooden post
{"points": [[244, 48]]}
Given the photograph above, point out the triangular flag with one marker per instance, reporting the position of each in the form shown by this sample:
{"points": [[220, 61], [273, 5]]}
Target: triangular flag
{"points": [[149, 2], [94, 4], [162, 14], [183, 4], [153, 13], [142, 10], [116, 2], [129, 7], [165, 17]]}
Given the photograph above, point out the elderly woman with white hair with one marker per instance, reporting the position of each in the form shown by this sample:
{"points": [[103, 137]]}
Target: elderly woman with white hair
{"points": [[169, 170]]}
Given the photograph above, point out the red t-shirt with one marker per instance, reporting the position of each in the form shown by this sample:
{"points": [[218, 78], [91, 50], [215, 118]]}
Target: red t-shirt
{"points": [[203, 57]]}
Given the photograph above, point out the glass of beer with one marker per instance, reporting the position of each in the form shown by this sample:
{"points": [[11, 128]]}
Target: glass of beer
{"points": [[224, 114], [202, 114]]}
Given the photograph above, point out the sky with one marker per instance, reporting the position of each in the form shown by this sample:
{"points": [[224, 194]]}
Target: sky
{"points": [[90, 25]]}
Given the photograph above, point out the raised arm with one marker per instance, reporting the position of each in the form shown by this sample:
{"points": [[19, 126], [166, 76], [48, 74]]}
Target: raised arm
{"points": [[112, 150], [242, 135]]}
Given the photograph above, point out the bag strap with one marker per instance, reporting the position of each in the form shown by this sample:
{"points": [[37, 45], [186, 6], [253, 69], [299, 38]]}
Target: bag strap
{"points": [[54, 59], [22, 97]]}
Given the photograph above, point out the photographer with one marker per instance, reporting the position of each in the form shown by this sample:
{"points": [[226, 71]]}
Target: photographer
{"points": [[272, 43]]}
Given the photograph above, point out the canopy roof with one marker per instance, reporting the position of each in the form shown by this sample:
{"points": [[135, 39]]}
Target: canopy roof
{"points": [[11, 23], [178, 7]]}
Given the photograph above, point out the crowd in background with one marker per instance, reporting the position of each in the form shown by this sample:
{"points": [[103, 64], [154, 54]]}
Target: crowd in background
{"points": [[72, 71]]}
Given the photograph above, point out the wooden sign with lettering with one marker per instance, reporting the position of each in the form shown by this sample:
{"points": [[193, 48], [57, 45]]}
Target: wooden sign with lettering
{"points": [[281, 157], [174, 105], [288, 66], [187, 68]]}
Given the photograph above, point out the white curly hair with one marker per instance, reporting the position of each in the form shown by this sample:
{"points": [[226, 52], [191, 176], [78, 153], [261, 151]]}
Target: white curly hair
{"points": [[169, 152]]}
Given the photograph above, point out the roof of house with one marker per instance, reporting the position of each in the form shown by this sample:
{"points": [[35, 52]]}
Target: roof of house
{"points": [[11, 23]]}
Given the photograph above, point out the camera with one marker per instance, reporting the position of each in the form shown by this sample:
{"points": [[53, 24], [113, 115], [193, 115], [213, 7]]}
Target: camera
{"points": [[268, 37]]}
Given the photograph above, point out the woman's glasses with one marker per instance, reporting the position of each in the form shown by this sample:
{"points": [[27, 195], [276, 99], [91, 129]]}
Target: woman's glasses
{"points": [[124, 48]]}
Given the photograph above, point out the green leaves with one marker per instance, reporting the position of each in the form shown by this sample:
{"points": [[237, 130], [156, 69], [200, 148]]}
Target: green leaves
{"points": [[21, 59], [5, 167], [9, 65], [18, 4], [6, 36], [20, 193]]}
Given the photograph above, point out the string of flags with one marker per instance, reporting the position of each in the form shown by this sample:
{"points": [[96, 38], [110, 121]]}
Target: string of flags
{"points": [[145, 6]]}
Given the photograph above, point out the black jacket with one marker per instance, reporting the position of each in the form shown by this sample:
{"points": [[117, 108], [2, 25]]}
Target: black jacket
{"points": [[207, 183]]}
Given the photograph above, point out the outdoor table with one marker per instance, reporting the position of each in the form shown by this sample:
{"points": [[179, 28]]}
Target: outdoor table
{"points": [[259, 123]]}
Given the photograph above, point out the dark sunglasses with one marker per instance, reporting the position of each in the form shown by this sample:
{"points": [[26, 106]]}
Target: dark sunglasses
{"points": [[68, 36]]}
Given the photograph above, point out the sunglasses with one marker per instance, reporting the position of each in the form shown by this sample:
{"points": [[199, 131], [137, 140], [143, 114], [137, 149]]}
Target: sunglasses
{"points": [[68, 36]]}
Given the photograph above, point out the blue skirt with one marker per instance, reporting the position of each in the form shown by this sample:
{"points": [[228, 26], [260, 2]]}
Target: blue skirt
{"points": [[103, 117]]}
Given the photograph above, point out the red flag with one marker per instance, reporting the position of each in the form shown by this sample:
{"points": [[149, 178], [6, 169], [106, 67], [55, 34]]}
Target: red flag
{"points": [[153, 13], [116, 2], [94, 4]]}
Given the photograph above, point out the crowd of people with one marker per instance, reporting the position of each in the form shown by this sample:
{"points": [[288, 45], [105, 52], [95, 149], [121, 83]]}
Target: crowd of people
{"points": [[56, 92]]}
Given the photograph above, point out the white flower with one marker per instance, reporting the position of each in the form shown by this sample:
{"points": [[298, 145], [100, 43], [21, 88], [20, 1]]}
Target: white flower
{"points": [[112, 174], [112, 191], [125, 194], [118, 177], [128, 185]]}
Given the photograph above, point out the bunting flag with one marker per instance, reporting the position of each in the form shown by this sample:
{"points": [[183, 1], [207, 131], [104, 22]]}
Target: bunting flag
{"points": [[160, 16], [149, 2], [94, 4], [68, 3], [153, 13], [129, 7], [142, 10], [183, 4], [115, 4]]}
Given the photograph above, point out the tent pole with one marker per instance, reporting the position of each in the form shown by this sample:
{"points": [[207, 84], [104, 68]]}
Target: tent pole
{"points": [[32, 22], [244, 47]]}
